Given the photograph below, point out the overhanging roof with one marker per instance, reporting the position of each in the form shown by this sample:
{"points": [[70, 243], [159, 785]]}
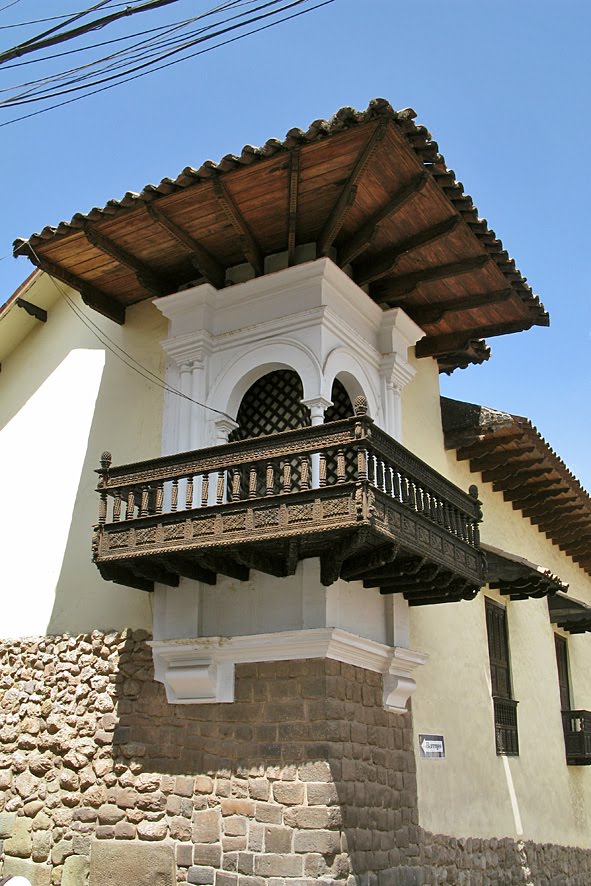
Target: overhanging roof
{"points": [[570, 615], [512, 455], [518, 578], [367, 188]]}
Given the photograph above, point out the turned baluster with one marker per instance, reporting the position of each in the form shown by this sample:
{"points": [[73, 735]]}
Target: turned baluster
{"points": [[205, 490], [159, 498], [412, 495], [103, 508], [252, 482], [362, 464], [174, 498], [322, 469], [269, 479], [130, 512], [396, 489], [286, 477], [236, 481], [341, 474], [304, 474], [145, 499], [117, 506], [189, 494], [219, 492]]}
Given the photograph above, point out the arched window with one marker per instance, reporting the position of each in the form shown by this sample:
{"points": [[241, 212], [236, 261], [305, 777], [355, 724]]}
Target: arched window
{"points": [[271, 405]]}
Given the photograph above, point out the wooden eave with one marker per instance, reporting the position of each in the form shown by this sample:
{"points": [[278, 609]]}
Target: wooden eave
{"points": [[518, 578], [368, 188], [510, 452]]}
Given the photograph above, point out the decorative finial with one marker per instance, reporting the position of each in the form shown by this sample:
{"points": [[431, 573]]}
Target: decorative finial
{"points": [[473, 492], [360, 405], [106, 459]]}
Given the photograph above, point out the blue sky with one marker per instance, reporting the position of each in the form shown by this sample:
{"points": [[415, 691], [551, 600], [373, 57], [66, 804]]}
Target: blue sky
{"points": [[503, 87]]}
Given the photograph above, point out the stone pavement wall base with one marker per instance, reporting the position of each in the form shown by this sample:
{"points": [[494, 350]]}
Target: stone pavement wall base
{"points": [[305, 778]]}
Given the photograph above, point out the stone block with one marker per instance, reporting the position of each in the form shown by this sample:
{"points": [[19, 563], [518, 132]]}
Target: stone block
{"points": [[138, 864], [235, 826], [152, 830], [268, 813], [278, 865], [76, 871], [7, 822], [110, 814], [324, 842], [288, 792], [207, 854], [320, 817], [207, 826], [233, 806], [200, 874], [321, 794], [317, 771], [183, 786], [184, 854], [20, 843], [36, 874], [278, 839]]}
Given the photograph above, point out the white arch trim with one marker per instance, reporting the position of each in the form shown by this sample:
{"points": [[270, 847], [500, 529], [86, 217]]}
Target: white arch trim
{"points": [[341, 364], [233, 382]]}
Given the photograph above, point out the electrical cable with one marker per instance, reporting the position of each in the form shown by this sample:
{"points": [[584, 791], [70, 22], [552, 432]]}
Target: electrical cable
{"points": [[134, 50], [114, 348], [162, 57]]}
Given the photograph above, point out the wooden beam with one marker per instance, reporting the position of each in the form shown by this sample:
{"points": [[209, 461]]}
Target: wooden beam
{"points": [[349, 191], [521, 480], [266, 563], [407, 283], [145, 276], [437, 345], [506, 459], [480, 449], [384, 264], [91, 295], [292, 204], [122, 576], [508, 472], [248, 244], [425, 314], [155, 571], [205, 263], [225, 564], [189, 569], [359, 242]]}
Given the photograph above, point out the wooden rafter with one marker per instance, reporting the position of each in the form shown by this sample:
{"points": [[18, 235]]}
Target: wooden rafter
{"points": [[423, 315], [91, 295], [488, 448], [292, 204], [396, 289], [189, 569], [381, 266], [500, 459], [363, 238], [515, 468], [349, 191], [205, 263], [447, 343], [154, 570], [145, 276], [249, 245], [530, 478]]}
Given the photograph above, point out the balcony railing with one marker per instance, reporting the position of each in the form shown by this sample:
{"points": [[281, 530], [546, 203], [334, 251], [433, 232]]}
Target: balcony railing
{"points": [[506, 736], [577, 737], [345, 492]]}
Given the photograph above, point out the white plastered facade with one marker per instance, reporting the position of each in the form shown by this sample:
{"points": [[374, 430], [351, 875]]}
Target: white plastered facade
{"points": [[312, 319]]}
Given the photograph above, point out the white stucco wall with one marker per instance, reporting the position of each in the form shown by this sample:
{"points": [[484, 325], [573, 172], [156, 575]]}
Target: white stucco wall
{"points": [[474, 792], [64, 398]]}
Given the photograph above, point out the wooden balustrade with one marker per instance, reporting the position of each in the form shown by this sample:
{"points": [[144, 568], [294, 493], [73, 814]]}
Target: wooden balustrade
{"points": [[341, 475]]}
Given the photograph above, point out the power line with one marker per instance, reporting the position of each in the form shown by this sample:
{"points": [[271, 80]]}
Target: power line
{"points": [[175, 61], [143, 46], [36, 43]]}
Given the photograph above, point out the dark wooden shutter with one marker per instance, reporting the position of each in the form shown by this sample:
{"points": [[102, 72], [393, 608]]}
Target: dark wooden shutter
{"points": [[498, 649], [562, 665]]}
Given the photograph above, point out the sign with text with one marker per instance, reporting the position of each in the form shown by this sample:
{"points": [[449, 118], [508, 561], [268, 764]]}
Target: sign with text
{"points": [[432, 746]]}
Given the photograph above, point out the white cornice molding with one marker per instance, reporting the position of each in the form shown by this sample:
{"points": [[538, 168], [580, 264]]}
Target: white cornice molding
{"points": [[201, 671]]}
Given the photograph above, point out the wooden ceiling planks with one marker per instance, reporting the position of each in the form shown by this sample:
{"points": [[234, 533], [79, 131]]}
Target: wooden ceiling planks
{"points": [[509, 452], [369, 188]]}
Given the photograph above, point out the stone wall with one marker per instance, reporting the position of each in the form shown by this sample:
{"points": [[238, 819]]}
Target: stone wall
{"points": [[304, 778]]}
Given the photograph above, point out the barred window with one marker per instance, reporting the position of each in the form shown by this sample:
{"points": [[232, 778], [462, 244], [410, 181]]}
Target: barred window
{"points": [[505, 706]]}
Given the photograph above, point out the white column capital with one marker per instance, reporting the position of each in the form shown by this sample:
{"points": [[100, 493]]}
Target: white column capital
{"points": [[193, 349], [396, 371], [223, 428], [317, 407]]}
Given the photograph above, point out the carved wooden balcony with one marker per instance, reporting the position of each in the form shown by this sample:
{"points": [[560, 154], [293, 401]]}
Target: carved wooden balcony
{"points": [[577, 737], [344, 491]]}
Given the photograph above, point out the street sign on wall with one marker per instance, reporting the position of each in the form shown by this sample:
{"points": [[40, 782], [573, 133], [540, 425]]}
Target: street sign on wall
{"points": [[432, 746]]}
